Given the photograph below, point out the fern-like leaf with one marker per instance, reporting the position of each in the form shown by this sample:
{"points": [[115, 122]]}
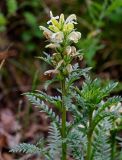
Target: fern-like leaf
{"points": [[26, 148], [54, 141], [40, 104], [102, 147]]}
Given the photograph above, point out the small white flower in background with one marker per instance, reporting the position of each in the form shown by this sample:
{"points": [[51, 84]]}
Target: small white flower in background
{"points": [[74, 36], [116, 107], [81, 126]]}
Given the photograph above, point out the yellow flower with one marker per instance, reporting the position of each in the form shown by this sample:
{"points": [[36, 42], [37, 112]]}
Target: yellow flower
{"points": [[53, 28], [55, 22], [61, 20], [68, 27]]}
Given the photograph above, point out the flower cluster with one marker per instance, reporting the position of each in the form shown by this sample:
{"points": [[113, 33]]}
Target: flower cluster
{"points": [[61, 34]]}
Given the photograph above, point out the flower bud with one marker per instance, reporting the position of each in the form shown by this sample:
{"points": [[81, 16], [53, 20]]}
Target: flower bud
{"points": [[53, 71], [55, 22], [68, 27], [73, 51], [56, 57], [53, 28], [68, 50], [61, 20], [52, 45], [69, 68]]}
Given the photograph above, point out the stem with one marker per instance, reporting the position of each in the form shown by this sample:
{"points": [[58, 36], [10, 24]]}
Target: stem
{"points": [[63, 129], [113, 144], [89, 147], [89, 138]]}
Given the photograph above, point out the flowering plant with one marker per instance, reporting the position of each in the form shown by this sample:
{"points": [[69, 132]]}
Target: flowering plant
{"points": [[94, 120], [61, 34]]}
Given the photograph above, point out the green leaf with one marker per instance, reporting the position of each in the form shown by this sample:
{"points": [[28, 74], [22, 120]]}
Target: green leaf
{"points": [[26, 36], [25, 148], [46, 59], [115, 4], [3, 20], [55, 100], [49, 82], [11, 6], [54, 141], [30, 18], [40, 104], [101, 145]]}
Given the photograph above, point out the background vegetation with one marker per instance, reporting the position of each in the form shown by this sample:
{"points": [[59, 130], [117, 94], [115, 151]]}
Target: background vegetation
{"points": [[21, 41]]}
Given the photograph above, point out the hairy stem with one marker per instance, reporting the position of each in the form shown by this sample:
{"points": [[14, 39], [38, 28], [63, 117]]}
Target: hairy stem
{"points": [[89, 138], [64, 146]]}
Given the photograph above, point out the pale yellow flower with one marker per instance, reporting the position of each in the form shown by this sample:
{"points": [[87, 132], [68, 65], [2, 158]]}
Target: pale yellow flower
{"points": [[68, 27], [71, 50], [61, 19], [47, 33], [53, 28], [57, 37], [68, 50], [74, 36]]}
